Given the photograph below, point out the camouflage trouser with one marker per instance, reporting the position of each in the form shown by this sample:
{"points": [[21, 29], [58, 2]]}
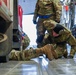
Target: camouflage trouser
{"points": [[61, 50], [23, 55], [40, 32], [41, 29]]}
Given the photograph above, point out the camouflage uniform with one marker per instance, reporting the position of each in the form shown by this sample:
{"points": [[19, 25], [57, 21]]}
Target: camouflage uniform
{"points": [[65, 37], [46, 9], [25, 41], [33, 53], [23, 55]]}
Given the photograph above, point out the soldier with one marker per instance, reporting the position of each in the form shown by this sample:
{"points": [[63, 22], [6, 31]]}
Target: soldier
{"points": [[45, 9], [60, 36], [33, 53]]}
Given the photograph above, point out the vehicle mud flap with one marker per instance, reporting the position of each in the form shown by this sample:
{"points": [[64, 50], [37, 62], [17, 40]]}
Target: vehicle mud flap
{"points": [[3, 48]]}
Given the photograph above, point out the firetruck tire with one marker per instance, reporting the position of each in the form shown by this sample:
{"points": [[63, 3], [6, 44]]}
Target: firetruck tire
{"points": [[3, 44], [3, 47]]}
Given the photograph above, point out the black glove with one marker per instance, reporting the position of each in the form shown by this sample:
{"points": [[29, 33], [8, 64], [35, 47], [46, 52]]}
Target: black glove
{"points": [[40, 38], [34, 22], [57, 21]]}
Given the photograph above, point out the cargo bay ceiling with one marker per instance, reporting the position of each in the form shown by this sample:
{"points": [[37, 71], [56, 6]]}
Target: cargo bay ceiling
{"points": [[28, 6]]}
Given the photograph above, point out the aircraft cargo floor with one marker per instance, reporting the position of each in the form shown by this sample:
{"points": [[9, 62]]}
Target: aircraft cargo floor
{"points": [[39, 66]]}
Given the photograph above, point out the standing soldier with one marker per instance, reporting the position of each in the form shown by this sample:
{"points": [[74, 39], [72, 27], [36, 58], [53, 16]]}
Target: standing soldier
{"points": [[45, 10]]}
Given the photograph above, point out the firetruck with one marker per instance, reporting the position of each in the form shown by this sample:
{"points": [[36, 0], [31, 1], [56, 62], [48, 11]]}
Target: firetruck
{"points": [[10, 27]]}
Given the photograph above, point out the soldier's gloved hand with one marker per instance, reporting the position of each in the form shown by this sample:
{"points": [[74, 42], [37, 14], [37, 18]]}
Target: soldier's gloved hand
{"points": [[58, 21], [35, 19], [34, 22]]}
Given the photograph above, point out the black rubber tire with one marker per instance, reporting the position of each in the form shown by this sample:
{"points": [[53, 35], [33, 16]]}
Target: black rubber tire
{"points": [[3, 48], [3, 44]]}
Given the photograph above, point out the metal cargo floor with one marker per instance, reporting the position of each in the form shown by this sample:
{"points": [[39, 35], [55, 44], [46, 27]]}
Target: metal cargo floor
{"points": [[39, 66]]}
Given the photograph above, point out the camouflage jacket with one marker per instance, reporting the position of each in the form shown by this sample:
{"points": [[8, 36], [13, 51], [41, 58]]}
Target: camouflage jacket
{"points": [[47, 7], [63, 34]]}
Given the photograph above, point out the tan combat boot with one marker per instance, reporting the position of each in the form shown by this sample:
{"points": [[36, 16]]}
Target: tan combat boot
{"points": [[47, 50]]}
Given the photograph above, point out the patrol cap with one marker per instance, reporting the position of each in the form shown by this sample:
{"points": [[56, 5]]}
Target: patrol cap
{"points": [[58, 28]]}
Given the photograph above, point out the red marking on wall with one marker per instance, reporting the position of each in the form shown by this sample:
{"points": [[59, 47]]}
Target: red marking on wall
{"points": [[0, 3], [5, 1]]}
